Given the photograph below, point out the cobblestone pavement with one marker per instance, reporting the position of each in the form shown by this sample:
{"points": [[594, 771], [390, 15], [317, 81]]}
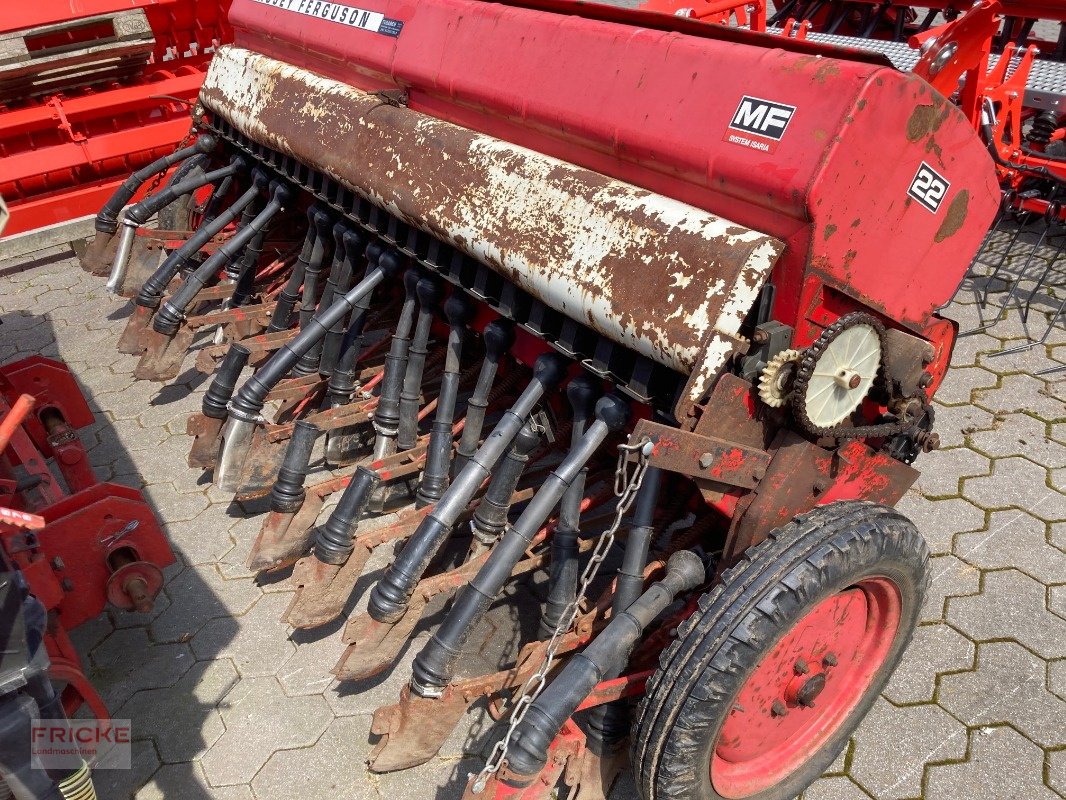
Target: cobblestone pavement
{"points": [[225, 703]]}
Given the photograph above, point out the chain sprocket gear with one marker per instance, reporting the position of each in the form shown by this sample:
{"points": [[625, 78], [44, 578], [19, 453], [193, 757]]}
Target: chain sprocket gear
{"points": [[776, 378], [828, 421]]}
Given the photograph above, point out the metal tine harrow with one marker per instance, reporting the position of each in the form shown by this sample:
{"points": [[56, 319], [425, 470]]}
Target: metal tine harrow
{"points": [[1040, 278]]}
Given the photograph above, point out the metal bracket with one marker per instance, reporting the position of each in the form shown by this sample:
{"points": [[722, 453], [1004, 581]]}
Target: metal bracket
{"points": [[703, 457]]}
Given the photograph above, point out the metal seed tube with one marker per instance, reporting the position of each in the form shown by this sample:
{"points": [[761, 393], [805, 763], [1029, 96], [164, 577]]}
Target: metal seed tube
{"points": [[346, 243], [287, 494], [498, 337], [245, 407], [308, 363], [342, 387], [151, 292], [170, 315], [429, 292], [490, 516], [564, 571], [459, 310], [434, 667], [390, 596], [603, 659]]}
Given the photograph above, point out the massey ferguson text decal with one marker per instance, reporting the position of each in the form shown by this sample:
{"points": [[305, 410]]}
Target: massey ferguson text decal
{"points": [[928, 187], [759, 124], [341, 14]]}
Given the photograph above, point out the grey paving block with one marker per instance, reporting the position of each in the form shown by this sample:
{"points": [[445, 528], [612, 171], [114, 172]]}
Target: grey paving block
{"points": [[200, 594], [1020, 435], [1011, 606], [890, 766], [1002, 764], [969, 349], [1057, 772], [1017, 483], [127, 661], [186, 781], [941, 470], [332, 768], [363, 697], [1056, 674], [1008, 686], [935, 649], [1021, 393], [955, 423], [940, 520], [261, 720], [307, 670], [1014, 539], [205, 538], [951, 577], [839, 787], [961, 382], [183, 718], [122, 784], [261, 644], [444, 779]]}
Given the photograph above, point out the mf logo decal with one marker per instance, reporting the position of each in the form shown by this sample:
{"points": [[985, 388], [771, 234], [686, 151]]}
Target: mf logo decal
{"points": [[759, 124], [928, 187]]}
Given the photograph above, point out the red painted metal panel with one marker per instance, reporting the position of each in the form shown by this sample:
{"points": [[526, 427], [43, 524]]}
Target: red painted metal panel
{"points": [[625, 100]]}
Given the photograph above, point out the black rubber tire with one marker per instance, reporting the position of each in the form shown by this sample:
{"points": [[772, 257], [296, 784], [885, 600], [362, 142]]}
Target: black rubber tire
{"points": [[758, 601]]}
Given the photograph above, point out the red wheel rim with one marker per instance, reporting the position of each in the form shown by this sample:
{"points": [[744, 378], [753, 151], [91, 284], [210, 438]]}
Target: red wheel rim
{"points": [[805, 688]]}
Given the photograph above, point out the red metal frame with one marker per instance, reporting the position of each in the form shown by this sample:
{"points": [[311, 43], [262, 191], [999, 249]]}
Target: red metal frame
{"points": [[80, 543], [63, 155]]}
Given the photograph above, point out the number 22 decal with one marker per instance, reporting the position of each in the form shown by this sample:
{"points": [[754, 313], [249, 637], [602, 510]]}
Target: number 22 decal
{"points": [[928, 187]]}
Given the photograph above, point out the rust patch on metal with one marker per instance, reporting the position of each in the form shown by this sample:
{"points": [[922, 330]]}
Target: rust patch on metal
{"points": [[955, 217], [662, 278], [926, 120]]}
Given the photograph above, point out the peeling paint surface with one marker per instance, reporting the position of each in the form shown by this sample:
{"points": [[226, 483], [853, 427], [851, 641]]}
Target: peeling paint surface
{"points": [[666, 279]]}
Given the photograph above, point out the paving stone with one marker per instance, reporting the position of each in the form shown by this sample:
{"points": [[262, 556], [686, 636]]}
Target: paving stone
{"points": [[955, 423], [1020, 393], [840, 787], [127, 661], [1031, 360], [441, 778], [1016, 483], [261, 720], [951, 577], [1056, 677], [332, 768], [205, 538], [1008, 686], [942, 469], [1011, 606], [307, 671], [261, 645], [1013, 539], [940, 520], [934, 650], [889, 766], [187, 781], [1002, 764], [969, 349], [183, 718], [1020, 435], [1057, 772], [960, 384], [121, 784], [200, 594]]}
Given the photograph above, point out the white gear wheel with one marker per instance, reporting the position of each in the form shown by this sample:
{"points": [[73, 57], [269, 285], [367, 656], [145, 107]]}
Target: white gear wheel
{"points": [[843, 375], [771, 390]]}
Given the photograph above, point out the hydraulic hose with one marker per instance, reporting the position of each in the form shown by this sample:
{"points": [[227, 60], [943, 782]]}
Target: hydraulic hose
{"points": [[171, 314], [151, 293], [603, 659], [390, 596], [498, 338], [434, 667], [458, 310]]}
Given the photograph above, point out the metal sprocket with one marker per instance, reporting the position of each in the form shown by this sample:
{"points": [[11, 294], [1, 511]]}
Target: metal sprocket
{"points": [[776, 378], [806, 370]]}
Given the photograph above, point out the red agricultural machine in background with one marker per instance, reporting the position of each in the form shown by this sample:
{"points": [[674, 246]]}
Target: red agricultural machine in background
{"points": [[1004, 63], [79, 544], [88, 96], [655, 327]]}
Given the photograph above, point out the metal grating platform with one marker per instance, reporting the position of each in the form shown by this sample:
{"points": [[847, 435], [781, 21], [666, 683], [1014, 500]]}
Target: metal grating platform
{"points": [[1047, 82]]}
